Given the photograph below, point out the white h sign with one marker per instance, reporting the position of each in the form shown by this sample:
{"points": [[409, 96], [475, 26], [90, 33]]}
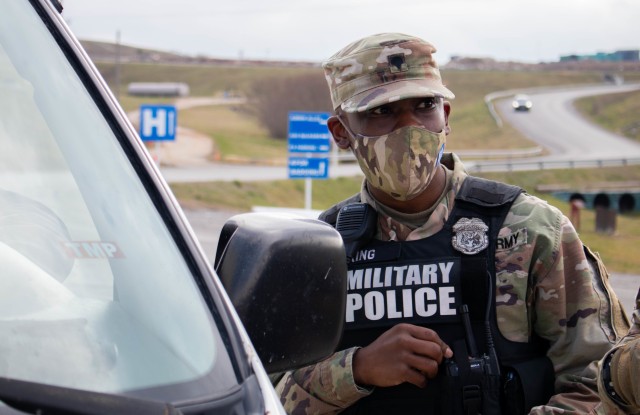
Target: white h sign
{"points": [[157, 122]]}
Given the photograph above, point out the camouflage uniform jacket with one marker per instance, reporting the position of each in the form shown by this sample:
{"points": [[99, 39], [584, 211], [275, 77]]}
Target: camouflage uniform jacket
{"points": [[625, 371], [567, 304]]}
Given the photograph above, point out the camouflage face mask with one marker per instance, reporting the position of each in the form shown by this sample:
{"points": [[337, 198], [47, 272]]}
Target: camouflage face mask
{"points": [[401, 163]]}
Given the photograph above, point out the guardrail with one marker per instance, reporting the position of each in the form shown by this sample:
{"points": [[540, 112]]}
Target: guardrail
{"points": [[467, 154], [500, 154], [529, 165], [516, 161]]}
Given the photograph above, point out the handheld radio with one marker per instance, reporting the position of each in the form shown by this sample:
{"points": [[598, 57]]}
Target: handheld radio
{"points": [[357, 225]]}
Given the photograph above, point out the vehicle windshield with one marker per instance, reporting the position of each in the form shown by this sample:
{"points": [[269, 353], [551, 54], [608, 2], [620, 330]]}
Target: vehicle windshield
{"points": [[94, 292]]}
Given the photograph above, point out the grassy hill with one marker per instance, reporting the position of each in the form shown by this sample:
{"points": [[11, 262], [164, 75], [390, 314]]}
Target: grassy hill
{"points": [[619, 113]]}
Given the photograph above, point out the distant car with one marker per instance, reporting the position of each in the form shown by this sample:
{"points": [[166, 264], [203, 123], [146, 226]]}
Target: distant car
{"points": [[522, 102]]}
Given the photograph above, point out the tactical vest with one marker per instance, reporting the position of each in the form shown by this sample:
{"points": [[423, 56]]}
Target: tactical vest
{"points": [[425, 282]]}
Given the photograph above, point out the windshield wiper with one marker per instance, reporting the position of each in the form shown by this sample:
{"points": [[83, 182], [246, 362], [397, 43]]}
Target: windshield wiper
{"points": [[37, 398]]}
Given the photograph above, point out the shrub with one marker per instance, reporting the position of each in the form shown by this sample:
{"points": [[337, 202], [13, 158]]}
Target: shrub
{"points": [[273, 98]]}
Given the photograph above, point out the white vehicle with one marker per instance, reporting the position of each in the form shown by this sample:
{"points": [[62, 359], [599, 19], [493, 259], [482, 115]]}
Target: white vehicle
{"points": [[521, 102], [108, 304]]}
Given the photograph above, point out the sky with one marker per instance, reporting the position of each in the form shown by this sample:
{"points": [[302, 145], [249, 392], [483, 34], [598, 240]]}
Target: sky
{"points": [[312, 30]]}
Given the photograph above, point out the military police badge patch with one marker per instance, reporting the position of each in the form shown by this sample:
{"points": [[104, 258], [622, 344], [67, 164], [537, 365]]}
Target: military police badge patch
{"points": [[470, 236]]}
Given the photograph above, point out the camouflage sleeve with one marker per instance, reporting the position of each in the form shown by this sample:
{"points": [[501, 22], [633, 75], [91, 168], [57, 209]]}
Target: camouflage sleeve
{"points": [[624, 367], [324, 388], [570, 303]]}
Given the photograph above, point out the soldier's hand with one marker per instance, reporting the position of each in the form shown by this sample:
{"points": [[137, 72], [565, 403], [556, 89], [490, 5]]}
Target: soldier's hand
{"points": [[404, 353], [625, 372]]}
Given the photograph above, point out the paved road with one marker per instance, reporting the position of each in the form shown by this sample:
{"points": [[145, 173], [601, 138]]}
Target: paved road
{"points": [[554, 123]]}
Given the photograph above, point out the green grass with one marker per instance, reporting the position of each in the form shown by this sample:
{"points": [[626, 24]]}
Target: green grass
{"points": [[238, 195], [619, 113], [236, 135]]}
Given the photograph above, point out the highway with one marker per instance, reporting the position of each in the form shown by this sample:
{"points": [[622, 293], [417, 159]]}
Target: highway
{"points": [[554, 124]]}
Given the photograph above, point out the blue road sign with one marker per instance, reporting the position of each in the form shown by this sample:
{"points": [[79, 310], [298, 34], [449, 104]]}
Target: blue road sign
{"points": [[312, 168], [308, 132], [158, 122]]}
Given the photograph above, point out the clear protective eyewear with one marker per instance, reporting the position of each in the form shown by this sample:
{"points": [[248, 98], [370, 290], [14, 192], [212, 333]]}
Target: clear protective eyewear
{"points": [[383, 119]]}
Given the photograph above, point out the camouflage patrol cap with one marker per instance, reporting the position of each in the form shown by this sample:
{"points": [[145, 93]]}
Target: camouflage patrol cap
{"points": [[383, 68]]}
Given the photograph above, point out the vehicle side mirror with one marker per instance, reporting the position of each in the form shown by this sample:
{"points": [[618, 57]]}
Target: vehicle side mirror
{"points": [[287, 278]]}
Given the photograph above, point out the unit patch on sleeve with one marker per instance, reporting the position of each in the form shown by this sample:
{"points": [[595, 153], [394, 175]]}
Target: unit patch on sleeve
{"points": [[512, 240]]}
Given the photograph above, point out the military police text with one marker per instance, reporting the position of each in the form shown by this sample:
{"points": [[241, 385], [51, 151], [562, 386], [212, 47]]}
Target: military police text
{"points": [[400, 291]]}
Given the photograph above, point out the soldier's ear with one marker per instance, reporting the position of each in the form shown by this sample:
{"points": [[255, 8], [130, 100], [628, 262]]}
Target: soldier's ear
{"points": [[447, 110], [339, 132]]}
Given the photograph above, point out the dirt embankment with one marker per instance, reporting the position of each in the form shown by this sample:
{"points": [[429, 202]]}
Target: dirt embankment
{"points": [[190, 148]]}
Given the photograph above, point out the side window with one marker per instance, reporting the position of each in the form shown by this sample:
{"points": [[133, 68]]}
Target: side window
{"points": [[94, 290], [42, 213]]}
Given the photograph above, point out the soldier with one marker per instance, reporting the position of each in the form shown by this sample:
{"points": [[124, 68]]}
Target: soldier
{"points": [[618, 380], [464, 295]]}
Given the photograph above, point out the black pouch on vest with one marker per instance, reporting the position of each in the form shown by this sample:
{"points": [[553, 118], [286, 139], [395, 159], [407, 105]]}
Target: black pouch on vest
{"points": [[527, 384]]}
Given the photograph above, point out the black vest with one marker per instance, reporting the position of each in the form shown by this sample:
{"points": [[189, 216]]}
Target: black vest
{"points": [[425, 282]]}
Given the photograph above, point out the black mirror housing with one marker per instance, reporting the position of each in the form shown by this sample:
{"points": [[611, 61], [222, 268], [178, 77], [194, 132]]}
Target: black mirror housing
{"points": [[287, 278]]}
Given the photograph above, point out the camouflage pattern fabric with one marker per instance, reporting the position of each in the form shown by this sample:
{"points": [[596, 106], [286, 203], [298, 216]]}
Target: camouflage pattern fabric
{"points": [[324, 388], [383, 68], [625, 371], [401, 163], [569, 303]]}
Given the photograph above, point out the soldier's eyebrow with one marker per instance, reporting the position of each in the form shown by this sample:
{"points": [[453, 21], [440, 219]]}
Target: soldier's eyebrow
{"points": [[376, 108]]}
